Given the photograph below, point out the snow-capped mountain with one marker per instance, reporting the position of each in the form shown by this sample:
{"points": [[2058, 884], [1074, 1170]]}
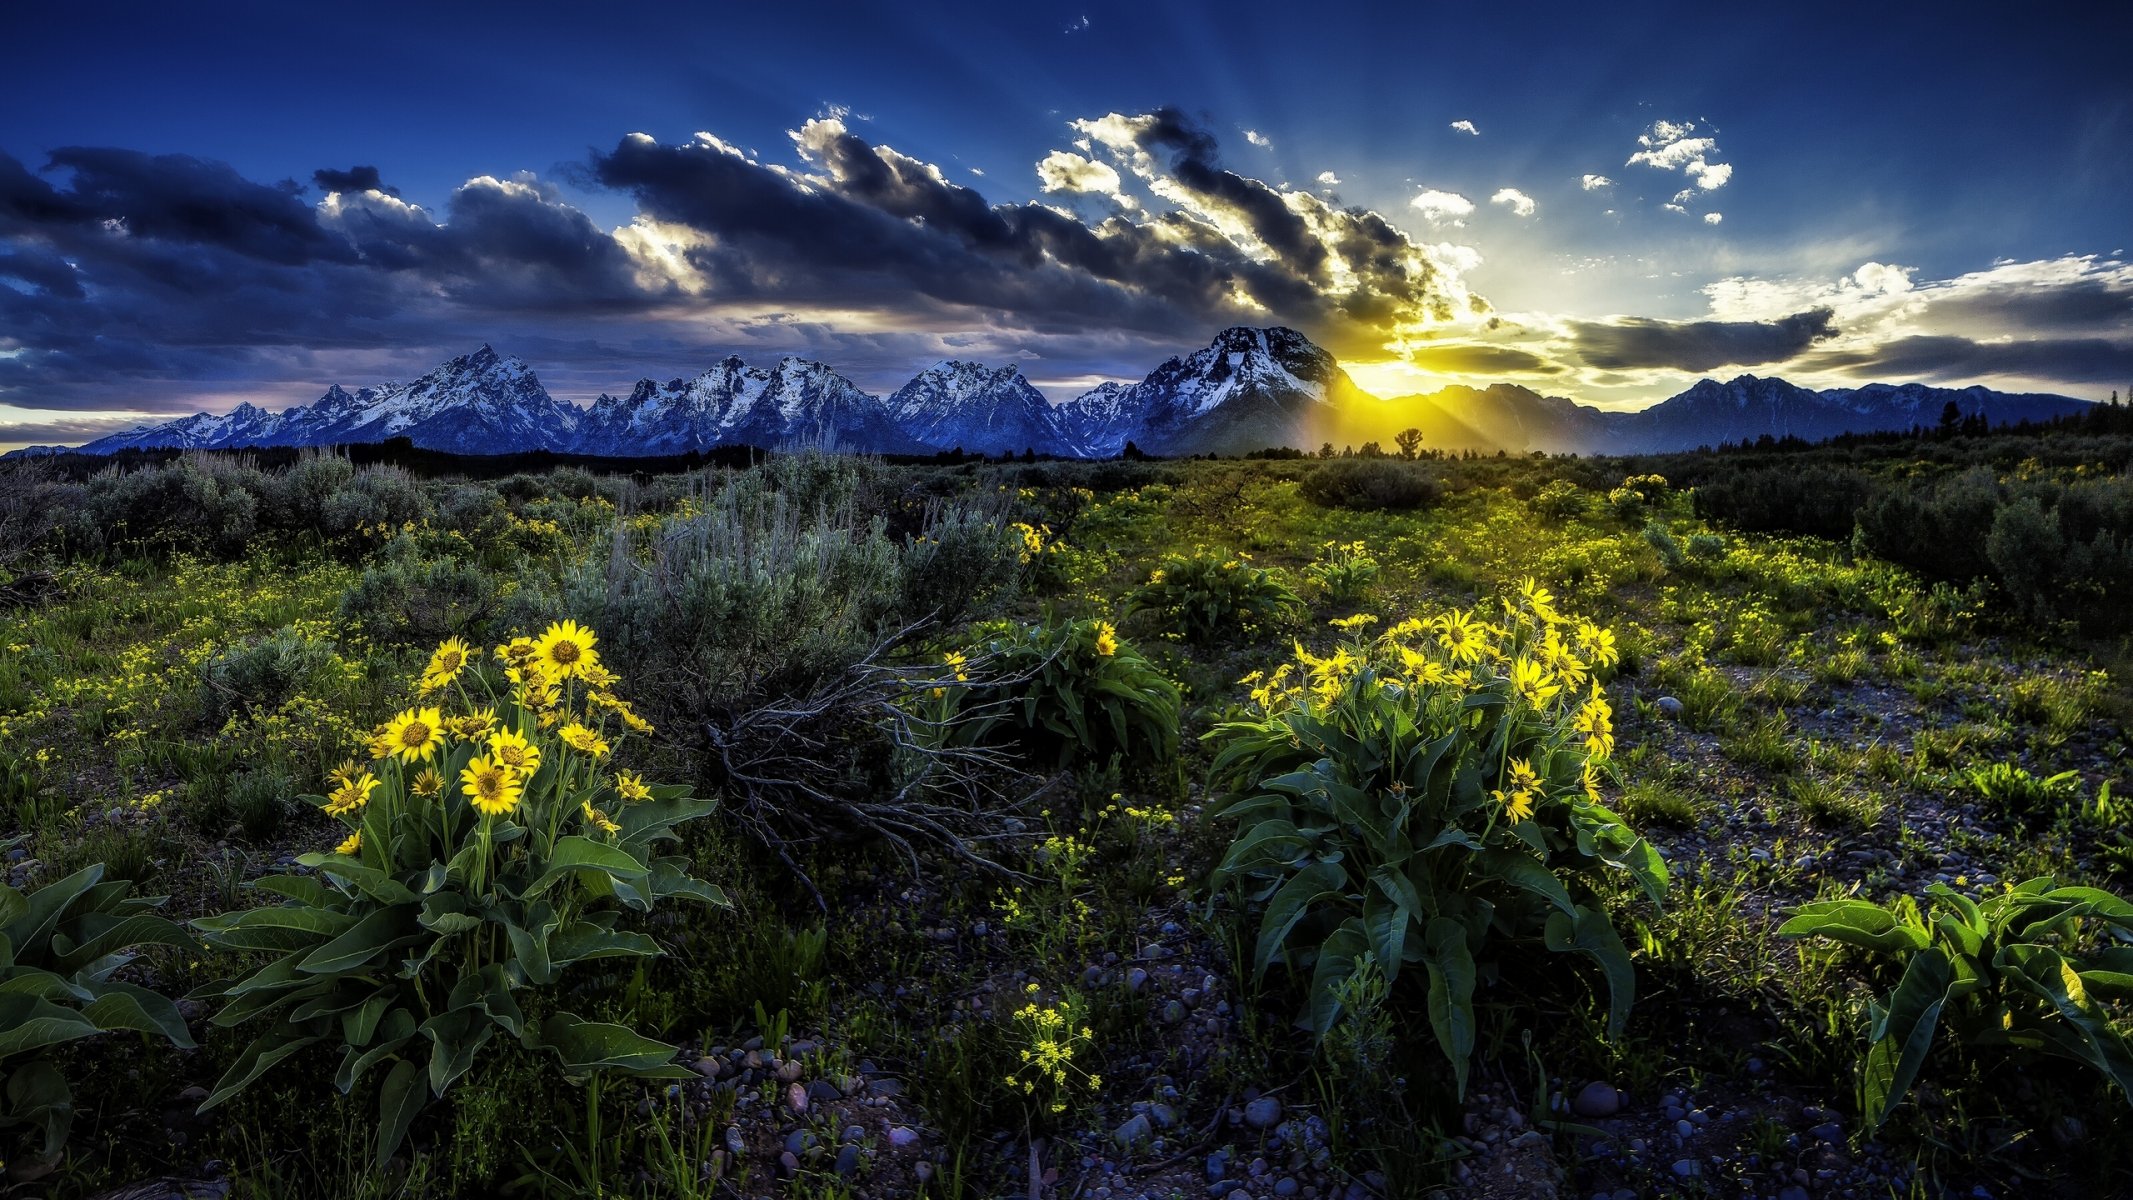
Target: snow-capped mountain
{"points": [[479, 403], [981, 409], [734, 404], [1248, 390]]}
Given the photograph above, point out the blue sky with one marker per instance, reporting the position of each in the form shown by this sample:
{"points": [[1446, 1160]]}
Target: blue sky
{"points": [[1858, 191]]}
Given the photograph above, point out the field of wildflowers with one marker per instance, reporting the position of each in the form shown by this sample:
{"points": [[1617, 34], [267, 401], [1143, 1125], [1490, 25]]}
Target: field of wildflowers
{"points": [[834, 828]]}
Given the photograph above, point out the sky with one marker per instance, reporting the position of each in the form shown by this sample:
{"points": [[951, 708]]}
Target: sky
{"points": [[212, 203]]}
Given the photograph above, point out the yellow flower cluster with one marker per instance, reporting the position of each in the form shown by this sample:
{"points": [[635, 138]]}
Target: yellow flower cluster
{"points": [[547, 673], [1106, 639], [1054, 1035]]}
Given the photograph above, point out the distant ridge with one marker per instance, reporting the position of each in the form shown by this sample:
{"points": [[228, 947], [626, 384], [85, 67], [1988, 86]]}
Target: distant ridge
{"points": [[1248, 389]]}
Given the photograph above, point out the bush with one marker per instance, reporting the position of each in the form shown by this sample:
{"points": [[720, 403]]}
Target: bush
{"points": [[1068, 690], [1819, 501], [406, 596], [2017, 973], [772, 631], [1403, 802], [181, 508], [260, 675], [488, 850], [59, 948], [1343, 570], [1206, 598], [1370, 484]]}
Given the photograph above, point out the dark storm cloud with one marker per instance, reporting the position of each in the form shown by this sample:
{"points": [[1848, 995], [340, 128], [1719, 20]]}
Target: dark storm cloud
{"points": [[120, 269], [1642, 342], [354, 179], [1474, 358], [2060, 305], [872, 225], [1946, 357]]}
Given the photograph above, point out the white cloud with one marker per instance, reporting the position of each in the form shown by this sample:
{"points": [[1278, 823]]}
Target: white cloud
{"points": [[1329, 179], [1438, 205], [1064, 171], [1712, 218], [1519, 203], [978, 171], [1674, 208], [1257, 138], [1466, 127], [1674, 154], [1709, 176], [1593, 183]]}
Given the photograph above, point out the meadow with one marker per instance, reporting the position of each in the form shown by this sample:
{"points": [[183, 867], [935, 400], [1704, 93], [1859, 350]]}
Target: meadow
{"points": [[1736, 824]]}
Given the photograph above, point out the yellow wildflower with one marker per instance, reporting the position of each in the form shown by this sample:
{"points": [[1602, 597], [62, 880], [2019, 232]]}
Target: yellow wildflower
{"points": [[1106, 639], [415, 735], [493, 788], [631, 787], [1532, 682], [445, 665], [580, 738], [1464, 639], [566, 650], [351, 845], [428, 783], [597, 819], [509, 748]]}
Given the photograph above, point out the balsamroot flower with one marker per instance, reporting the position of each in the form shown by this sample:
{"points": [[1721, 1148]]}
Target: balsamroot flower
{"points": [[415, 735], [493, 788], [565, 651]]}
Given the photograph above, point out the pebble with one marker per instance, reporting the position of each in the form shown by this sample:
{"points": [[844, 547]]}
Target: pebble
{"points": [[1135, 1130], [1687, 1167], [1136, 979], [796, 1098], [1262, 1113], [1669, 707], [848, 1160], [901, 1136], [1597, 1100]]}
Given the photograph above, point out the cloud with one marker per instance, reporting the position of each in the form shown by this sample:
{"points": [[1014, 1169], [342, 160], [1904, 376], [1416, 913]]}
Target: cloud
{"points": [[1066, 171], [1593, 183], [1641, 343], [1520, 204], [1713, 218], [1329, 179], [2097, 360], [1258, 139], [1466, 127], [1480, 358], [354, 179], [1669, 146], [1438, 206]]}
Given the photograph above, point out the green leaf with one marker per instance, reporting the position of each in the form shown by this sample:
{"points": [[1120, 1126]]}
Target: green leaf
{"points": [[30, 1023], [1903, 1034], [586, 1046], [1592, 934], [379, 931], [1527, 873], [1855, 923], [127, 1006], [574, 853], [1385, 923], [1290, 904], [280, 928], [1451, 994], [399, 1099], [255, 1060]]}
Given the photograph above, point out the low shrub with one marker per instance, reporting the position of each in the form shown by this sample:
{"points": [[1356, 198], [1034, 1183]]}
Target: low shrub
{"points": [[1371, 484], [60, 947], [1205, 598], [1432, 799], [488, 850], [1344, 571], [2034, 970], [1067, 691]]}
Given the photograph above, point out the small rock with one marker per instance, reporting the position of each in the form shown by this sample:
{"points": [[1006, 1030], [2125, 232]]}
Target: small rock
{"points": [[1134, 1131], [847, 1160], [1687, 1167], [1597, 1100], [901, 1136], [1136, 979], [1262, 1113], [1669, 708], [796, 1098]]}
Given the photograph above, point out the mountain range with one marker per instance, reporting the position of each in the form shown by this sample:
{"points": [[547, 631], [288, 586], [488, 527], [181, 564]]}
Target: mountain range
{"points": [[1247, 390]]}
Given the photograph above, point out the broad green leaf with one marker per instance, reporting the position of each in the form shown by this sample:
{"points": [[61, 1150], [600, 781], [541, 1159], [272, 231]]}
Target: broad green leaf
{"points": [[1451, 994], [1855, 923], [586, 1046], [1903, 1034], [255, 1060], [399, 1099], [1290, 904], [1526, 873], [1592, 934]]}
